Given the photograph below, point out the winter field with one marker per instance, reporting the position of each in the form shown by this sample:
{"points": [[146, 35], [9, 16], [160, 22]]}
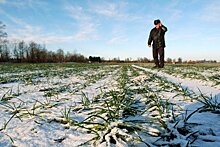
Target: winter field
{"points": [[109, 105]]}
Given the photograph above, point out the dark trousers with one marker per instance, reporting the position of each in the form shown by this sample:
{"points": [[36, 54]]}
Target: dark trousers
{"points": [[160, 52]]}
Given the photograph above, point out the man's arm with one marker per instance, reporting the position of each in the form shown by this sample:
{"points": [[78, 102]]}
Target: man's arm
{"points": [[163, 27], [150, 39]]}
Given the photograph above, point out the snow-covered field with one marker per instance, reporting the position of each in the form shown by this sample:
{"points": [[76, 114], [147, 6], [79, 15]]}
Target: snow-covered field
{"points": [[205, 74], [108, 105]]}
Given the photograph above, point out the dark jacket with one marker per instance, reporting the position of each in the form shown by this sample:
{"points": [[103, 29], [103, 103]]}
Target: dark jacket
{"points": [[157, 36]]}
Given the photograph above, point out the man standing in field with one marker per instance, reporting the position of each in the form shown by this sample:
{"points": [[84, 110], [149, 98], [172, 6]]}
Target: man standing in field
{"points": [[157, 37]]}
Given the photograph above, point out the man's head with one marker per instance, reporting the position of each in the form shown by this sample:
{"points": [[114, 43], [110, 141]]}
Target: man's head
{"points": [[157, 23]]}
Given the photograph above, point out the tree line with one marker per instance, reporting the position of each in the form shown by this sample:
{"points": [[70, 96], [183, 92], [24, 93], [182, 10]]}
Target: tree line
{"points": [[36, 53]]}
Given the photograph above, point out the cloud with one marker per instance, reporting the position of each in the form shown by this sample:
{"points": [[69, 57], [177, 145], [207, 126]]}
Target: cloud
{"points": [[188, 35], [78, 13], [15, 20], [22, 30], [117, 11], [118, 36], [106, 9], [87, 32], [36, 7], [173, 11], [87, 25], [211, 13], [117, 40], [215, 38], [35, 33], [27, 4], [2, 1]]}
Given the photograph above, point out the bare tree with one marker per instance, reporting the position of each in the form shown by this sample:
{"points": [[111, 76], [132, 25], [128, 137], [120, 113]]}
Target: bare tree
{"points": [[3, 34], [4, 51], [33, 51], [169, 60], [60, 55], [180, 60], [21, 50], [15, 51]]}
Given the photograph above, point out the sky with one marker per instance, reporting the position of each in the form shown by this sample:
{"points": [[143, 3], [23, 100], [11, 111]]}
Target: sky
{"points": [[116, 28]]}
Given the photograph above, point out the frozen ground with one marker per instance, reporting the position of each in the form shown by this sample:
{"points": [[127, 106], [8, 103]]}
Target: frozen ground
{"points": [[207, 75], [193, 85], [108, 106], [207, 123]]}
